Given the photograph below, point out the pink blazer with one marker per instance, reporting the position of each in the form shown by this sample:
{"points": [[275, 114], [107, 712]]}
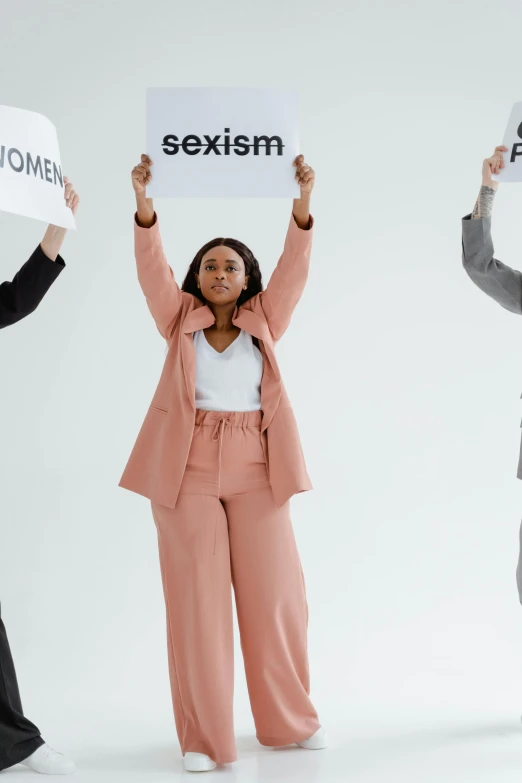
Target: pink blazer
{"points": [[157, 463]]}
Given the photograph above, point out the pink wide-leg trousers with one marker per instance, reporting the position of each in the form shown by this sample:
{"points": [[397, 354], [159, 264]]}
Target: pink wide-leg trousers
{"points": [[225, 531]]}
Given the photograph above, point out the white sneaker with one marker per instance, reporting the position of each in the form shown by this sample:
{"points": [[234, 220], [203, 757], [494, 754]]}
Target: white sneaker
{"points": [[198, 762], [49, 762], [317, 741]]}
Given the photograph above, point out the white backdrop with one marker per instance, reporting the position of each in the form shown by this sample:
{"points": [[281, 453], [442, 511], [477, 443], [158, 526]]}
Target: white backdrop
{"points": [[405, 379]]}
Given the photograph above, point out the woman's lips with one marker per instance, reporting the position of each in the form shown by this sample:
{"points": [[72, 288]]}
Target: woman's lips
{"points": [[220, 287]]}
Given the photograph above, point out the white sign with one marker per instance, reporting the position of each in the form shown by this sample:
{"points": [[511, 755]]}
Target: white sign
{"points": [[222, 142], [513, 141], [31, 179]]}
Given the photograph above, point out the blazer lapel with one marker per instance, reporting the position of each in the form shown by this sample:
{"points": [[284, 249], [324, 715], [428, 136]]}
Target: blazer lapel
{"points": [[202, 317], [252, 323], [270, 385], [199, 318]]}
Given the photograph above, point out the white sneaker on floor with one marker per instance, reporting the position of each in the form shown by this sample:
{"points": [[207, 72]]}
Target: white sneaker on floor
{"points": [[198, 762], [317, 741], [49, 762]]}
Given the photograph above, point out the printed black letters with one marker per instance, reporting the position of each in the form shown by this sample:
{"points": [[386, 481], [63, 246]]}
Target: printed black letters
{"points": [[240, 145]]}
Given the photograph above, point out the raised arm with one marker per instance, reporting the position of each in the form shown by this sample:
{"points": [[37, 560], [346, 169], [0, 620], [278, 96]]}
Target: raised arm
{"points": [[497, 280], [288, 280], [21, 296], [156, 278]]}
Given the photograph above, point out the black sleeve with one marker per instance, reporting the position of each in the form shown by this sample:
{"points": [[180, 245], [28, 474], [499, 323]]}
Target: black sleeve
{"points": [[29, 286]]}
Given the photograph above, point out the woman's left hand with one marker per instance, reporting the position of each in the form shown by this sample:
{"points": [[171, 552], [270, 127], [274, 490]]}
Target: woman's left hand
{"points": [[72, 199], [305, 175]]}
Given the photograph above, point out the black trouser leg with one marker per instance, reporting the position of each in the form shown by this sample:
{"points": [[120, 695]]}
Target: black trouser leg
{"points": [[19, 738]]}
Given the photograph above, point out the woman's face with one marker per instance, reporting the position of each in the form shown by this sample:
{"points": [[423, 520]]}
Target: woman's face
{"points": [[222, 276]]}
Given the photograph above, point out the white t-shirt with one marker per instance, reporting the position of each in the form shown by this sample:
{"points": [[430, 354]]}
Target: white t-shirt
{"points": [[231, 380]]}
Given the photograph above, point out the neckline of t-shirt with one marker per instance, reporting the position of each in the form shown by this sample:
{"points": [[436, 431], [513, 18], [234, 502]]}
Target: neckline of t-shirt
{"points": [[213, 350]]}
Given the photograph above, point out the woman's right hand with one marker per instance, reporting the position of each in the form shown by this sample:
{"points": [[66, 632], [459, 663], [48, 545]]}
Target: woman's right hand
{"points": [[493, 165], [141, 175]]}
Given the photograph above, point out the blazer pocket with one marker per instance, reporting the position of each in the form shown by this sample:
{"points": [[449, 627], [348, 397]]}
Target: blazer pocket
{"points": [[157, 408]]}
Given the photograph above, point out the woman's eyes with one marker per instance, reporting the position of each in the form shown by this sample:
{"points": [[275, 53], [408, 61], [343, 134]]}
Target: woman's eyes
{"points": [[211, 268]]}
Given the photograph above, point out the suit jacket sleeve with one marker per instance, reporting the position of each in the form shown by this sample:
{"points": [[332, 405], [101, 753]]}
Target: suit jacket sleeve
{"points": [[288, 280], [497, 280], [24, 293], [156, 278]]}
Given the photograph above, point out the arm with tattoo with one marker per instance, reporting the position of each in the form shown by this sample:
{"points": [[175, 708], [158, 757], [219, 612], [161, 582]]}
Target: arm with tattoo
{"points": [[484, 203], [497, 280]]}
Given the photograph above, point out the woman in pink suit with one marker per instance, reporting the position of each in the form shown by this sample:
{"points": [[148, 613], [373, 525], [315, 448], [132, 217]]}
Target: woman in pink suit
{"points": [[219, 456]]}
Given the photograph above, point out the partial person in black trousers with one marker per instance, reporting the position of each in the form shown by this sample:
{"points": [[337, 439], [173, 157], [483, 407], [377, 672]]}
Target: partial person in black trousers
{"points": [[20, 740]]}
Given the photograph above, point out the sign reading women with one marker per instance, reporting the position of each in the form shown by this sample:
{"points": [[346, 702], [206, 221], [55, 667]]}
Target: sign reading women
{"points": [[222, 142], [31, 178]]}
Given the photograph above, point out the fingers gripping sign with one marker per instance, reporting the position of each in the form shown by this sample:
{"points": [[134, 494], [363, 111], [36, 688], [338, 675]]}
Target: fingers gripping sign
{"points": [[72, 199], [305, 176], [142, 175], [493, 165]]}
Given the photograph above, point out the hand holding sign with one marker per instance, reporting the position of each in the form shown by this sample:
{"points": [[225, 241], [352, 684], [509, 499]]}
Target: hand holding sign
{"points": [[492, 166], [72, 199], [52, 241], [305, 176], [141, 175]]}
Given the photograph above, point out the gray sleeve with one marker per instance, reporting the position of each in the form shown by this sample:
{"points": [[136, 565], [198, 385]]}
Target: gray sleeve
{"points": [[497, 280]]}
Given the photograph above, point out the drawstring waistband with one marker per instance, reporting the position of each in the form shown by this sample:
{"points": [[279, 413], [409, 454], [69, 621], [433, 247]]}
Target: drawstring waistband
{"points": [[235, 419]]}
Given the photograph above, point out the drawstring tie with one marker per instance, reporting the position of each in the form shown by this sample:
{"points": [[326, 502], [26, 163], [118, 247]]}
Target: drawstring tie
{"points": [[221, 423], [217, 435]]}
